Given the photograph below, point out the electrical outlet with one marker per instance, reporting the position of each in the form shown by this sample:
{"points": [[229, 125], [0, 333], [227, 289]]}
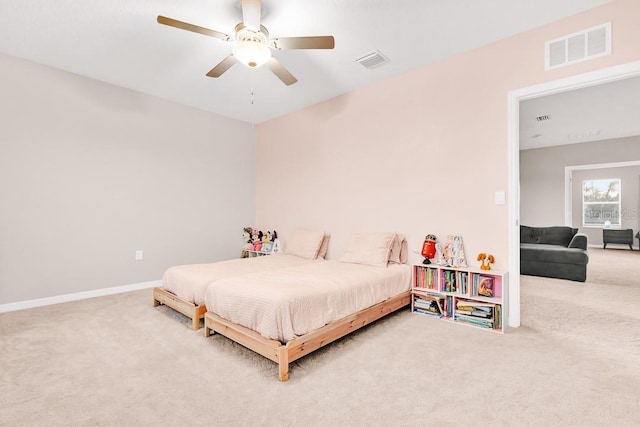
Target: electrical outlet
{"points": [[139, 255]]}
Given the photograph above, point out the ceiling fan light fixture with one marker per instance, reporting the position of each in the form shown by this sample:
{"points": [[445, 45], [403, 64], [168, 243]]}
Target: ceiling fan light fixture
{"points": [[251, 53]]}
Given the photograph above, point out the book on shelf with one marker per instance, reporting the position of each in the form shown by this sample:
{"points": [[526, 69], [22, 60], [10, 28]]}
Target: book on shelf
{"points": [[480, 313], [476, 321], [449, 281], [427, 312], [449, 306], [485, 286], [473, 304], [432, 304], [424, 277]]}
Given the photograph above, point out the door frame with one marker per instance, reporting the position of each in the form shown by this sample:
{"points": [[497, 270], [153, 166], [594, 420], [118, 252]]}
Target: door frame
{"points": [[605, 75]]}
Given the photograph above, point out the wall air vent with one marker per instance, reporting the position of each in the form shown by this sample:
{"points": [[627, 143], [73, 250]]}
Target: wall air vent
{"points": [[581, 46], [373, 60]]}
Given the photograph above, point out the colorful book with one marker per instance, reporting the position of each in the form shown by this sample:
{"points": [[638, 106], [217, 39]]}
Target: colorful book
{"points": [[485, 286]]}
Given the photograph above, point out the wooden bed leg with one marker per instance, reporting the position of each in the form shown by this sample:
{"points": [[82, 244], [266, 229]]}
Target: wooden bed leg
{"points": [[195, 323], [207, 331], [155, 302], [283, 363]]}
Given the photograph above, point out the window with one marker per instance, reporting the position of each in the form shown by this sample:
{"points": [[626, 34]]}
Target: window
{"points": [[601, 203]]}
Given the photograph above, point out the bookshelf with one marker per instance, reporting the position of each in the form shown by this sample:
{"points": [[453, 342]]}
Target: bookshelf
{"points": [[463, 295], [252, 253]]}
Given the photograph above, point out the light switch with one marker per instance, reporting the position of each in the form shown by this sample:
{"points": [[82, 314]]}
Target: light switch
{"points": [[499, 198]]}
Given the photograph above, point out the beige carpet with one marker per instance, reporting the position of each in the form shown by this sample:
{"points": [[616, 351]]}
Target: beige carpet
{"points": [[117, 361]]}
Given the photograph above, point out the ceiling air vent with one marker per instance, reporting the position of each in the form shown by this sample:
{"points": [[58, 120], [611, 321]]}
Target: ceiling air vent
{"points": [[373, 60], [581, 46]]}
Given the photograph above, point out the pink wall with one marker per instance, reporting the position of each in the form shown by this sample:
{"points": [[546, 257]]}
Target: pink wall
{"points": [[420, 153]]}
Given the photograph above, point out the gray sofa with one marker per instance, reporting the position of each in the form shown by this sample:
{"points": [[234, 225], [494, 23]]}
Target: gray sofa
{"points": [[559, 252]]}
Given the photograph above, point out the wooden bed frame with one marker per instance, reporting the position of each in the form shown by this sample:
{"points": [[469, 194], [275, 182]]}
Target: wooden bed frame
{"points": [[189, 309], [283, 354]]}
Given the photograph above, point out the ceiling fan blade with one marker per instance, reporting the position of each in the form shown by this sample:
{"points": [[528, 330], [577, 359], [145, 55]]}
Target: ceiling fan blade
{"points": [[251, 14], [194, 28], [223, 66], [316, 42], [282, 73]]}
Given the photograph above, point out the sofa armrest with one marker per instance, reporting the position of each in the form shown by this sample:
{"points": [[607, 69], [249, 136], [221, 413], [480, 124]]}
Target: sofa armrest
{"points": [[579, 241]]}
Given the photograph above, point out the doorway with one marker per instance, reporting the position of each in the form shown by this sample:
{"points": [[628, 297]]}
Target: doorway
{"points": [[606, 75]]}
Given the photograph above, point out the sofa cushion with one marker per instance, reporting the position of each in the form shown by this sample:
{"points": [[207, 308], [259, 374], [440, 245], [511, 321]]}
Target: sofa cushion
{"points": [[558, 235], [553, 254]]}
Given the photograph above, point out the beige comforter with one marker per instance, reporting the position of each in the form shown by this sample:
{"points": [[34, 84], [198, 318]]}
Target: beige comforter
{"points": [[190, 281], [290, 302]]}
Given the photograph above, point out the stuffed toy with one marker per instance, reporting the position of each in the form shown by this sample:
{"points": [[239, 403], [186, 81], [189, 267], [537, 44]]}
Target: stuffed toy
{"points": [[267, 244], [485, 261], [276, 243], [247, 245], [257, 240]]}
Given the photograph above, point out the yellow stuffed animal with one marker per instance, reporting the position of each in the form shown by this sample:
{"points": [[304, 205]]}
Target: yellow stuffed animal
{"points": [[485, 261]]}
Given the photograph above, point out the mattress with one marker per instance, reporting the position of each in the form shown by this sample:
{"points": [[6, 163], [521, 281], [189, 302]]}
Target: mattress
{"points": [[293, 301], [190, 282]]}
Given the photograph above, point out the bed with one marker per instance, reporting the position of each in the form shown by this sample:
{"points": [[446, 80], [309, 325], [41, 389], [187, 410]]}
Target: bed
{"points": [[291, 312], [183, 287]]}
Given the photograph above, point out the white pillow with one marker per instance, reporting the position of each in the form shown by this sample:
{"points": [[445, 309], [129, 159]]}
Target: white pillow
{"points": [[305, 243], [396, 247], [322, 253], [370, 249]]}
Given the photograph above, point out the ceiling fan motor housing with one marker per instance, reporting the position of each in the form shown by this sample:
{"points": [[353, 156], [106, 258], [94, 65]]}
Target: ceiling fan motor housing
{"points": [[252, 47]]}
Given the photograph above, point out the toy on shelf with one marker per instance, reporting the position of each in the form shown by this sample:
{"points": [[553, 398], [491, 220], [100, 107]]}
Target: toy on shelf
{"points": [[276, 243], [454, 252], [247, 245], [256, 240], [267, 244], [485, 261], [429, 248]]}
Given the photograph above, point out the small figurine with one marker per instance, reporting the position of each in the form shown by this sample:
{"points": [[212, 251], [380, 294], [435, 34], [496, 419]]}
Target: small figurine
{"points": [[429, 248], [485, 261]]}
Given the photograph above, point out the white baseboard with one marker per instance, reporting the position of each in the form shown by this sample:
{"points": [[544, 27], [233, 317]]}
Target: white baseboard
{"points": [[21, 305]]}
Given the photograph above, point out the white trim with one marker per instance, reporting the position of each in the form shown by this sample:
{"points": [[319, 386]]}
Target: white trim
{"points": [[592, 78], [568, 199], [21, 305], [513, 149], [605, 165]]}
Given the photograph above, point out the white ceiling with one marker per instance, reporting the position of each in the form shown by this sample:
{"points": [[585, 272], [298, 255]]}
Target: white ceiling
{"points": [[120, 42], [605, 111]]}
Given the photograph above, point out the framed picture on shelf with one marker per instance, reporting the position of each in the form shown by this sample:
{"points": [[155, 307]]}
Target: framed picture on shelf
{"points": [[485, 286]]}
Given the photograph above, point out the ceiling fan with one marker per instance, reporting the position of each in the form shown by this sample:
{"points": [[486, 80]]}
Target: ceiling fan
{"points": [[252, 43]]}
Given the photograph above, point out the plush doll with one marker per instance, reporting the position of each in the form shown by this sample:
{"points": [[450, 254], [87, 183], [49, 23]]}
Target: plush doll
{"points": [[267, 244], [276, 243], [485, 261], [254, 238], [247, 245], [257, 240]]}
